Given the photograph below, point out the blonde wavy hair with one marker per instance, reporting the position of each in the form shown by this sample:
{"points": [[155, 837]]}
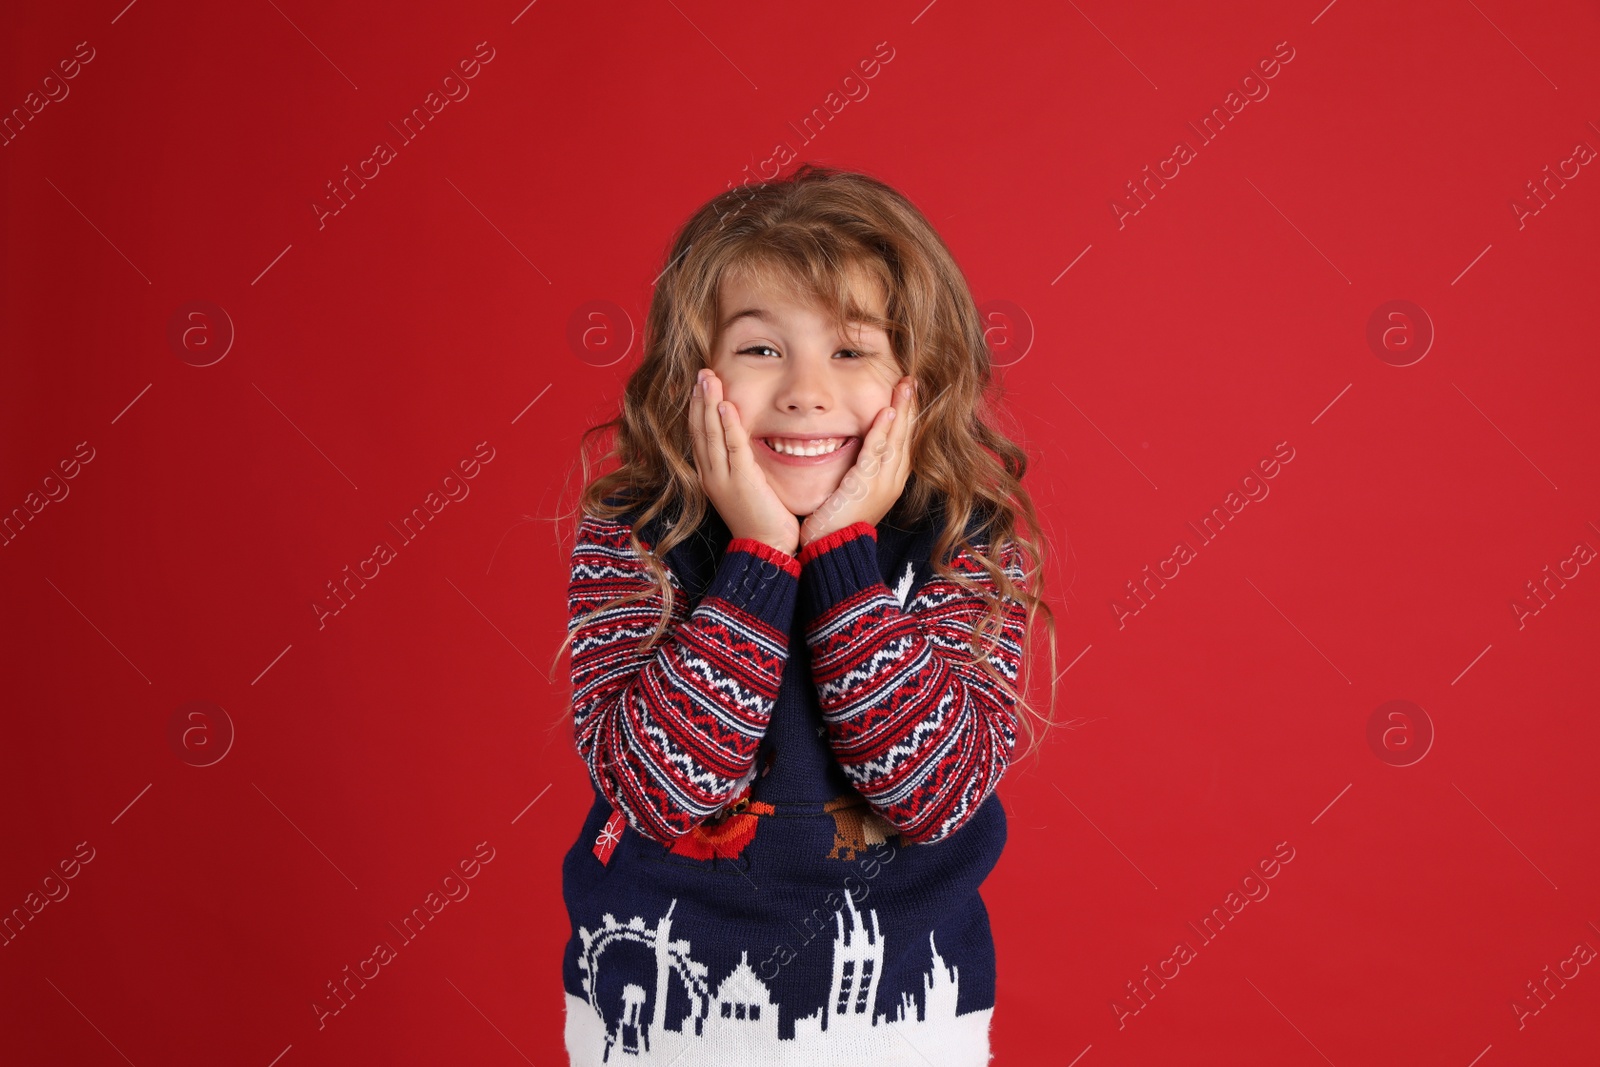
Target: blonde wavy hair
{"points": [[813, 231]]}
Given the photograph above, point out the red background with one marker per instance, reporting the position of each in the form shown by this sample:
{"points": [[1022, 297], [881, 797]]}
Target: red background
{"points": [[434, 311]]}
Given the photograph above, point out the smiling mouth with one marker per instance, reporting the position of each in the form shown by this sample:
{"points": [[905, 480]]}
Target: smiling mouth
{"points": [[806, 449]]}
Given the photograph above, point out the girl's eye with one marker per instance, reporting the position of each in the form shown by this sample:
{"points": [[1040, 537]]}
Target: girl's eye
{"points": [[756, 348]]}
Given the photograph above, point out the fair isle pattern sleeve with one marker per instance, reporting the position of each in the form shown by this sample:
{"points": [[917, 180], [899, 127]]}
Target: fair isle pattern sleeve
{"points": [[668, 734], [922, 732]]}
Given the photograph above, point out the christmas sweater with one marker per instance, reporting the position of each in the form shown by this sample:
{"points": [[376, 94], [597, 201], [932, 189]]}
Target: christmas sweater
{"points": [[793, 803]]}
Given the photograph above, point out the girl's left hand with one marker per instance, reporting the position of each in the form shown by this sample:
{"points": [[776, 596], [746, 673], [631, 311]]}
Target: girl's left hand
{"points": [[870, 488]]}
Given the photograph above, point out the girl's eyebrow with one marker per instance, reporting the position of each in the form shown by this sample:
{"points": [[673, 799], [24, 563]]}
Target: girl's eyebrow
{"points": [[754, 313], [767, 317]]}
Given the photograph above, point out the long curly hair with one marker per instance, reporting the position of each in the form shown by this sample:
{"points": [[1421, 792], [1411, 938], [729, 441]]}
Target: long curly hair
{"points": [[814, 231]]}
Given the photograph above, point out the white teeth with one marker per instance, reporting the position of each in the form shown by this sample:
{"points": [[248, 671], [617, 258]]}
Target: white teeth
{"points": [[813, 448]]}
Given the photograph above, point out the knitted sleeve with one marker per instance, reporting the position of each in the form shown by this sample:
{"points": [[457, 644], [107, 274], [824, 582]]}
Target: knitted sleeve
{"points": [[922, 732], [669, 734]]}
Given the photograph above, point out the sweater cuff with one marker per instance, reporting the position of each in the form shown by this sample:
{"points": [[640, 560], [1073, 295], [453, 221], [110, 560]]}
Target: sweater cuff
{"points": [[839, 565], [767, 552], [759, 580]]}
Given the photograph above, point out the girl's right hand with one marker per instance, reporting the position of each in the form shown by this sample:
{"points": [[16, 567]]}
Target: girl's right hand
{"points": [[729, 474]]}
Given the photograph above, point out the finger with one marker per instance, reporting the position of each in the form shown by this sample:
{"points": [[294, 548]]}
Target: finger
{"points": [[890, 417], [904, 408], [741, 450], [697, 425], [716, 443], [889, 464], [874, 447], [734, 437], [900, 405], [741, 454], [901, 432], [705, 417]]}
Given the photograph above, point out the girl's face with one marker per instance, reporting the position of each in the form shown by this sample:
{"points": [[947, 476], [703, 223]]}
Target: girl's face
{"points": [[791, 376]]}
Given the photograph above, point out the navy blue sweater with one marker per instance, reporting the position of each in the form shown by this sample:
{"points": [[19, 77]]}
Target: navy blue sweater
{"points": [[793, 801]]}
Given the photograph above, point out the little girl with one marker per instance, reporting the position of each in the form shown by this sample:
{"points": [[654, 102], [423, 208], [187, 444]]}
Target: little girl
{"points": [[797, 611]]}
